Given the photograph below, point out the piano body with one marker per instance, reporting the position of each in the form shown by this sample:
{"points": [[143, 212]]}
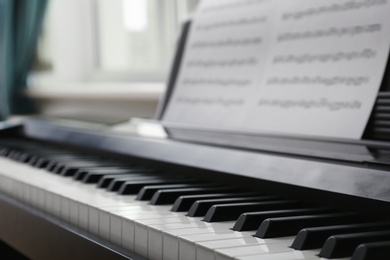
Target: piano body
{"points": [[70, 190]]}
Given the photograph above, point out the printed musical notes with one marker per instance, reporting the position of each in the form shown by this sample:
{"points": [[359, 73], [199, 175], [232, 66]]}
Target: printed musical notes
{"points": [[293, 67]]}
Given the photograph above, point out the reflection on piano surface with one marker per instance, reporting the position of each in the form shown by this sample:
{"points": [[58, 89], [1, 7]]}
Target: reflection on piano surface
{"points": [[136, 207]]}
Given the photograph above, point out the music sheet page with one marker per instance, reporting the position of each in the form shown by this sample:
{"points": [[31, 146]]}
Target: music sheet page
{"points": [[304, 67]]}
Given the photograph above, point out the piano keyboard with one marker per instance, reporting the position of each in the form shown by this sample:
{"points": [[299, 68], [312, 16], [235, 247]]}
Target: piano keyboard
{"points": [[160, 215]]}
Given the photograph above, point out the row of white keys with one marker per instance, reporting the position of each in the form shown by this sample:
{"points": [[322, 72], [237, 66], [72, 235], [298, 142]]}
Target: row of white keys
{"points": [[146, 222], [150, 231]]}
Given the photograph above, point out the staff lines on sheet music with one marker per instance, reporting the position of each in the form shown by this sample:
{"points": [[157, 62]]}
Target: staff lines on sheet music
{"points": [[231, 23], [209, 82], [230, 42], [330, 32], [211, 101], [322, 103], [319, 80], [333, 8], [231, 5], [251, 61], [325, 57]]}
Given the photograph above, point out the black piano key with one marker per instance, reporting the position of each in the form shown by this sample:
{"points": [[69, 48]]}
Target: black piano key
{"points": [[4, 151], [36, 155], [116, 184], [166, 197], [82, 173], [310, 238], [37, 161], [24, 157], [200, 207], [69, 170], [252, 220], [41, 162], [289, 226], [13, 154], [184, 203], [56, 164], [105, 180], [228, 212], [133, 187], [372, 251], [147, 192], [96, 175], [120, 179], [344, 245], [95, 178]]}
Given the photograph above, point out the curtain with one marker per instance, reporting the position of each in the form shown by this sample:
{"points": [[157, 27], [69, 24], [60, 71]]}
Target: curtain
{"points": [[20, 25]]}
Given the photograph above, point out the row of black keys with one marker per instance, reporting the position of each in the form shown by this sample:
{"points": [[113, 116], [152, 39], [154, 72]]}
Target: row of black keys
{"points": [[339, 234]]}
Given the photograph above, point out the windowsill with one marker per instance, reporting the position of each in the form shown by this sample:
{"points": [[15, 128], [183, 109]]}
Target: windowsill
{"points": [[108, 91], [101, 99]]}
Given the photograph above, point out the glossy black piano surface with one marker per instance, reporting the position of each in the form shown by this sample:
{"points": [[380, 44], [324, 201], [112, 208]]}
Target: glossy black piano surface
{"points": [[270, 194]]}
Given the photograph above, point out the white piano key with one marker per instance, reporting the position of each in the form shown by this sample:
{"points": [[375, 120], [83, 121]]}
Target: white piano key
{"points": [[155, 236], [170, 247], [74, 212], [41, 199], [110, 197], [34, 196], [268, 247], [208, 248], [142, 233], [141, 240], [48, 201], [3, 184], [166, 220], [83, 216], [141, 237], [128, 234], [155, 244], [17, 186], [6, 184], [131, 208], [93, 220], [115, 229], [273, 248], [171, 237], [293, 255], [104, 225], [26, 193], [65, 208], [189, 243], [56, 205], [23, 193], [139, 214], [171, 240]]}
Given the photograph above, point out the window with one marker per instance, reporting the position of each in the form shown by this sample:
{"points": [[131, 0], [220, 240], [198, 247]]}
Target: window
{"points": [[111, 40]]}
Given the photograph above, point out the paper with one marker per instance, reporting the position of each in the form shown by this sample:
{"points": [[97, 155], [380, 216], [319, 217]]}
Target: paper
{"points": [[302, 67]]}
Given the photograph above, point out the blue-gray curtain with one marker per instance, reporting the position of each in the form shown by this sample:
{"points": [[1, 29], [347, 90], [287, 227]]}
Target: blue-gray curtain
{"points": [[20, 25]]}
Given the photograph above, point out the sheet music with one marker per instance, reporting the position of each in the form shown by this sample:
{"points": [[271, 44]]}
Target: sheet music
{"points": [[306, 67]]}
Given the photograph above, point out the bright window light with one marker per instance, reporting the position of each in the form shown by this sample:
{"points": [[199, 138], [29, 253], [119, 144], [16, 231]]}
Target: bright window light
{"points": [[135, 15]]}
